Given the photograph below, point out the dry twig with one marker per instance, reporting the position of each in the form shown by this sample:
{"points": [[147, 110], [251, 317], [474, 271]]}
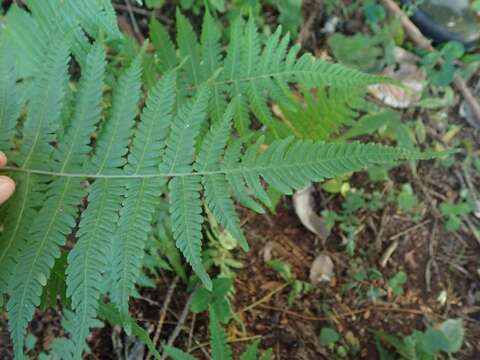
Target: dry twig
{"points": [[181, 322], [163, 313]]}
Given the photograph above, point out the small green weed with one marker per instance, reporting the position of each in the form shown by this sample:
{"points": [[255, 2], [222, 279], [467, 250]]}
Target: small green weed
{"points": [[297, 287], [447, 337]]}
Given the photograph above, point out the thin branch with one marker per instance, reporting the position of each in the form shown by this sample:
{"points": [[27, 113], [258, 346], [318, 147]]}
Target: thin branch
{"points": [[163, 313], [346, 314], [181, 322], [136, 29], [264, 299], [409, 230]]}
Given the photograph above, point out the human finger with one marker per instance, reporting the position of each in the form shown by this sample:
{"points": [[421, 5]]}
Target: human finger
{"points": [[7, 188]]}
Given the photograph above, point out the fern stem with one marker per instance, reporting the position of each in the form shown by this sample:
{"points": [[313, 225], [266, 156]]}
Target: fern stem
{"points": [[258, 169]]}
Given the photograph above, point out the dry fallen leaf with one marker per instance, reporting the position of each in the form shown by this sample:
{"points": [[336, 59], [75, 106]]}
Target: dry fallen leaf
{"points": [[267, 251], [321, 269], [409, 74], [304, 208]]}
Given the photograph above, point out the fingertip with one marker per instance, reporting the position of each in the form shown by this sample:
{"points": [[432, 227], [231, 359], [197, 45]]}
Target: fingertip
{"points": [[7, 188], [3, 159]]}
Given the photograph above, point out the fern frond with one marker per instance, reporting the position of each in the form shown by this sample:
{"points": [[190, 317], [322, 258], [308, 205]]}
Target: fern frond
{"points": [[210, 46], [256, 71], [68, 157], [187, 219], [89, 258], [114, 138], [322, 114], [177, 354], [74, 148], [178, 156], [48, 232], [165, 49], [28, 41], [252, 351], [149, 141], [88, 261], [141, 196], [43, 118], [212, 61], [20, 212], [189, 48], [9, 97], [216, 186], [218, 339], [96, 17], [185, 204], [53, 17], [133, 227]]}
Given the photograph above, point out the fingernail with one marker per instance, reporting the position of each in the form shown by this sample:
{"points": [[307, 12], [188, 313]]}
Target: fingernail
{"points": [[3, 159], [7, 188]]}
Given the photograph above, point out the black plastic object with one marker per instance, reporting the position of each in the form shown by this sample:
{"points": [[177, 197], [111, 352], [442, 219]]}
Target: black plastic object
{"points": [[447, 20]]}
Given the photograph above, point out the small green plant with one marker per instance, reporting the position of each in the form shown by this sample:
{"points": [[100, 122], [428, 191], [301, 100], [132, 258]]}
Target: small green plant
{"points": [[216, 300], [219, 249], [397, 282], [340, 347], [454, 213], [297, 287], [447, 338], [443, 76], [219, 310], [408, 203], [366, 282]]}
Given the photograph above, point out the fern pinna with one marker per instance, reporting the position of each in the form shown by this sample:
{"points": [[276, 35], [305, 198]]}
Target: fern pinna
{"points": [[91, 167]]}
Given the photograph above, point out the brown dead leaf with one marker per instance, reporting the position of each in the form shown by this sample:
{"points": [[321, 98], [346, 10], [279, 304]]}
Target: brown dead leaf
{"points": [[322, 269], [409, 74], [304, 208]]}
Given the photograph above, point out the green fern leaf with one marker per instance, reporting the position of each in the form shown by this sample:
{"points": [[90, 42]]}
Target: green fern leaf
{"points": [[134, 225], [141, 196], [210, 44], [252, 351], [288, 165], [48, 232], [9, 97], [28, 41], [165, 49], [177, 354], [185, 204], [96, 17], [74, 148], [187, 219], [20, 212], [237, 183], [220, 348], [89, 258], [114, 138], [150, 138], [212, 58], [43, 117], [189, 49], [52, 17], [216, 186]]}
